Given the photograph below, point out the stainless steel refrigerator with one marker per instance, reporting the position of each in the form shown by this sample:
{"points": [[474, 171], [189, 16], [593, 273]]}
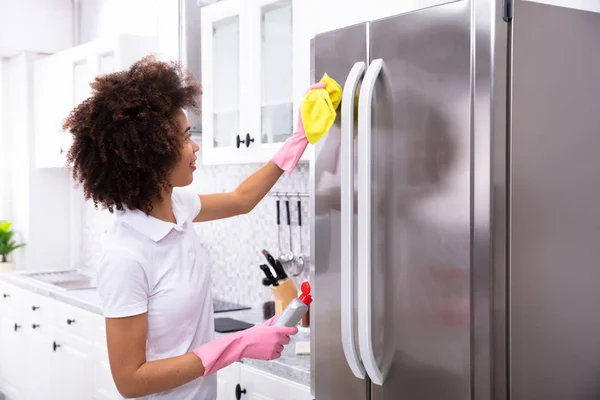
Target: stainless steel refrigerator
{"points": [[456, 223]]}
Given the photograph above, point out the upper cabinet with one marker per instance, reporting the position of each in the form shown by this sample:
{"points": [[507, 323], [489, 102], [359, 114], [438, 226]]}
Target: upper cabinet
{"points": [[62, 81], [255, 65]]}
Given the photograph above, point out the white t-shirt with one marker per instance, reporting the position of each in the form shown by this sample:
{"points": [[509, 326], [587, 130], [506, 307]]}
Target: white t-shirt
{"points": [[158, 267]]}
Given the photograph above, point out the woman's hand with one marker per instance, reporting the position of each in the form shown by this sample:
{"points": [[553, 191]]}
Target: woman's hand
{"points": [[136, 377], [261, 342]]}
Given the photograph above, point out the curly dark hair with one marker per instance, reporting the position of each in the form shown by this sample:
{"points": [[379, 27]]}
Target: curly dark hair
{"points": [[125, 136]]}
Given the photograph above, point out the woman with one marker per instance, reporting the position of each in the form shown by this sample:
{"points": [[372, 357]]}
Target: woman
{"points": [[132, 152]]}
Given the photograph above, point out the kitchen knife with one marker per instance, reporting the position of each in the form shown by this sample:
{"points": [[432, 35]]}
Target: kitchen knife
{"points": [[269, 274], [281, 274]]}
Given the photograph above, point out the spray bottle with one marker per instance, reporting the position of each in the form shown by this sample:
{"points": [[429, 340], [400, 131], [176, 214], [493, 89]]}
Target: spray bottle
{"points": [[296, 309]]}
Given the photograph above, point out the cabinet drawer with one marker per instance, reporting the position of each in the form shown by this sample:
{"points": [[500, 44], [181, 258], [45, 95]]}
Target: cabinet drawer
{"points": [[103, 381], [262, 385], [13, 299], [79, 322], [38, 308]]}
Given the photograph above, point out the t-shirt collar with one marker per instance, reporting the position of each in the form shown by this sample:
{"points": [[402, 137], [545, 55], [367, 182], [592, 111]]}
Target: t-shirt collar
{"points": [[150, 226]]}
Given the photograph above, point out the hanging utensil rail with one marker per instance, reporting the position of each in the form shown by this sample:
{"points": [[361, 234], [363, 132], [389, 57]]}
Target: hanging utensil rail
{"points": [[288, 194]]}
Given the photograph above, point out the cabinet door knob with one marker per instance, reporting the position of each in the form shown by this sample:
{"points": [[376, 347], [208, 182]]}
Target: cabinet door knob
{"points": [[247, 141], [55, 346], [33, 326], [62, 151], [35, 308], [5, 295], [239, 391], [17, 326], [70, 321]]}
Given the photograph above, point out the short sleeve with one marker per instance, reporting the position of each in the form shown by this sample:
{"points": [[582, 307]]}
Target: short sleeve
{"points": [[189, 199], [122, 285]]}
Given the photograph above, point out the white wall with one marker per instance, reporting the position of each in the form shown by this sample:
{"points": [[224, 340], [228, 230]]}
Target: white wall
{"points": [[138, 17], [35, 25], [3, 150], [100, 18]]}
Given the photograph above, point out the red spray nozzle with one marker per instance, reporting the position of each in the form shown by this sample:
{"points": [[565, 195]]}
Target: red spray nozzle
{"points": [[305, 297]]}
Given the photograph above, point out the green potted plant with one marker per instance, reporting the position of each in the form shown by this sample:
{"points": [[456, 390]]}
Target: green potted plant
{"points": [[7, 245]]}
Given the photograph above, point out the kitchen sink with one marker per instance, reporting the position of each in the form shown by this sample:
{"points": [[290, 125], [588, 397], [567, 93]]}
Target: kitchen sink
{"points": [[74, 279]]}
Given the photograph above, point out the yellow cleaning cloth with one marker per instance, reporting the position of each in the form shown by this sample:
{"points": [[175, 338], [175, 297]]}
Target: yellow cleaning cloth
{"points": [[318, 108]]}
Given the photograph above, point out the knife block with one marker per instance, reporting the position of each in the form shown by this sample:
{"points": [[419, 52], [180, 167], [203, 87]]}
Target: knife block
{"points": [[284, 293]]}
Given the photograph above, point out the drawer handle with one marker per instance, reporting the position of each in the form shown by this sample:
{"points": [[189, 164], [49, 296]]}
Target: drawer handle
{"points": [[33, 326], [5, 295], [70, 321], [239, 391], [17, 327], [55, 346], [35, 308]]}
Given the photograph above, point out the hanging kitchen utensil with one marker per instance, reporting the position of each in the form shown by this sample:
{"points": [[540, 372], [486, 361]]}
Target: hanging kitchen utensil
{"points": [[288, 257], [279, 252], [300, 257]]}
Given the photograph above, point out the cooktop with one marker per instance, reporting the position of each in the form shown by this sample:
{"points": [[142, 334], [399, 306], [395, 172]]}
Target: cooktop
{"points": [[224, 306]]}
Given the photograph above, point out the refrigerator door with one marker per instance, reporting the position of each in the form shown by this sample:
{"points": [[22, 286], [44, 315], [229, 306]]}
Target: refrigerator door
{"points": [[337, 371], [414, 206], [555, 192]]}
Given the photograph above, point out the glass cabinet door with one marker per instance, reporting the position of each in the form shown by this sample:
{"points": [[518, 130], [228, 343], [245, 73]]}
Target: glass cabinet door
{"points": [[249, 48], [226, 81], [81, 81], [276, 71], [221, 68], [106, 63]]}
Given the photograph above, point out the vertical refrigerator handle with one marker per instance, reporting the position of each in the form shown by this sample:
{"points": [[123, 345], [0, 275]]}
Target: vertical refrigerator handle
{"points": [[365, 317], [347, 219]]}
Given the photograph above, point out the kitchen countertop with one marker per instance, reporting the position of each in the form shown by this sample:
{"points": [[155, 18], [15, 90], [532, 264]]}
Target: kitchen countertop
{"points": [[290, 366]]}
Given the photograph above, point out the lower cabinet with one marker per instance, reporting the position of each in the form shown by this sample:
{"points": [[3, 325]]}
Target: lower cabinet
{"points": [[50, 350], [47, 351], [242, 382]]}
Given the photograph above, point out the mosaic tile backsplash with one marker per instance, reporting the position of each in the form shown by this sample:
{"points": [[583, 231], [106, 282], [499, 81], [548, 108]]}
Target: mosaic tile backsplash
{"points": [[233, 244]]}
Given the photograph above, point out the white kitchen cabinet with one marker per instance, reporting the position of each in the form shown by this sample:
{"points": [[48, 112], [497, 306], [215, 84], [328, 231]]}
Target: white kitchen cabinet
{"points": [[12, 370], [258, 385], [62, 81], [43, 356], [254, 71], [227, 380], [103, 384], [240, 381], [72, 367], [38, 359], [51, 350], [54, 98]]}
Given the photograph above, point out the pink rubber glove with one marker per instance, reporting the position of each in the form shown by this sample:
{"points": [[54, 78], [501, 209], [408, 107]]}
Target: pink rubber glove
{"points": [[261, 342], [288, 156]]}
